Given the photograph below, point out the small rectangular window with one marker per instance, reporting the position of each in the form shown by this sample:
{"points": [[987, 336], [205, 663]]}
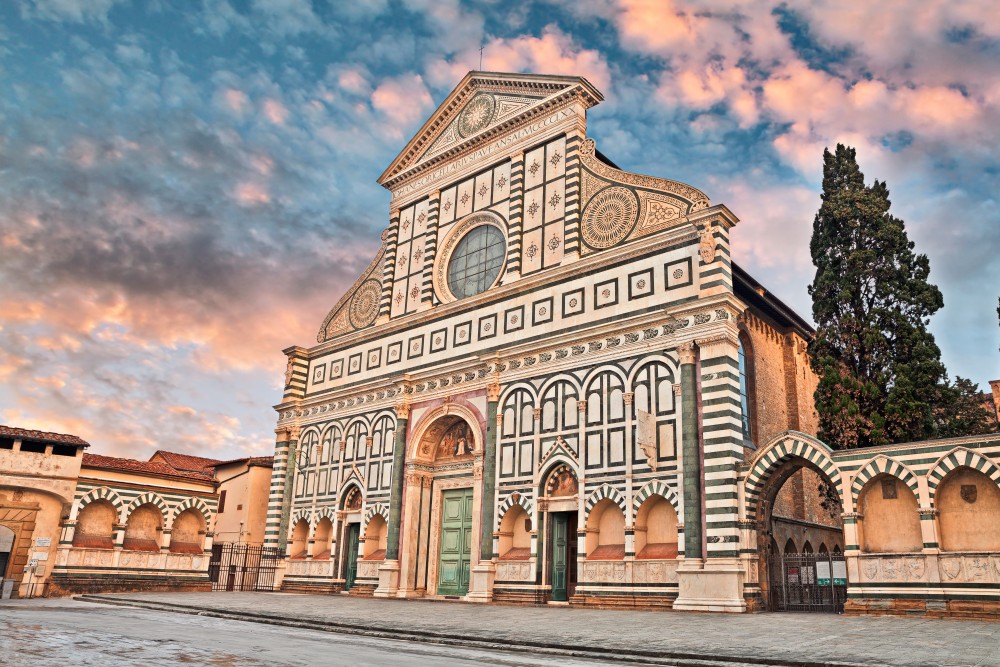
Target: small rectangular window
{"points": [[222, 502], [6, 443], [34, 447], [64, 450]]}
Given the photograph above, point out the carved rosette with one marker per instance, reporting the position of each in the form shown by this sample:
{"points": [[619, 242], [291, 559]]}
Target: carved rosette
{"points": [[609, 217], [364, 304]]}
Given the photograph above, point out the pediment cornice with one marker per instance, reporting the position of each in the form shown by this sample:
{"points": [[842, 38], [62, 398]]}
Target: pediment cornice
{"points": [[513, 98]]}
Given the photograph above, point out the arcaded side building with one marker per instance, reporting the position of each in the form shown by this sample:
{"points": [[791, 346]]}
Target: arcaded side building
{"points": [[552, 384]]}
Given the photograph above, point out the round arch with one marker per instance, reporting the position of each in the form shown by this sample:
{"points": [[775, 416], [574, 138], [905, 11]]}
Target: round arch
{"points": [[781, 449], [147, 498], [957, 458], [102, 493], [883, 465], [602, 492], [432, 427], [658, 488]]}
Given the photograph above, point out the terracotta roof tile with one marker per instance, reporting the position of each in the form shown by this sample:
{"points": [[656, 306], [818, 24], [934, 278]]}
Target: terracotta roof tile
{"points": [[132, 465], [250, 461], [187, 461], [41, 436]]}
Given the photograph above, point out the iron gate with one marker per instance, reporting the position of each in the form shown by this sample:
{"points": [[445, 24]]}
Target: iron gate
{"points": [[243, 567], [808, 582]]}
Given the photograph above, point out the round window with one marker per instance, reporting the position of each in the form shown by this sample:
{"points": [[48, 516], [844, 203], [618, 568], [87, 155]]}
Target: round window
{"points": [[476, 261]]}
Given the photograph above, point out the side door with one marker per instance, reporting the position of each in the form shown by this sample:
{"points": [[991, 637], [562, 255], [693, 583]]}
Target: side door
{"points": [[351, 555], [560, 557]]}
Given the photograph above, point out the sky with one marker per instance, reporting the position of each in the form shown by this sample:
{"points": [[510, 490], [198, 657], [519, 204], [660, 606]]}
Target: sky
{"points": [[186, 188]]}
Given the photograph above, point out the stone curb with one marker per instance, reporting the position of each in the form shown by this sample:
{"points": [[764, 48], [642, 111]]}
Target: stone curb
{"points": [[676, 659]]}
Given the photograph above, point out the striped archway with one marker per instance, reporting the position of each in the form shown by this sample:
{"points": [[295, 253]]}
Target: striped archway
{"points": [[780, 450], [883, 465]]}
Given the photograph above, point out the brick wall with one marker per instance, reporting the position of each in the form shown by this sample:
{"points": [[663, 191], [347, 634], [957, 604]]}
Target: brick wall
{"points": [[800, 499], [783, 383]]}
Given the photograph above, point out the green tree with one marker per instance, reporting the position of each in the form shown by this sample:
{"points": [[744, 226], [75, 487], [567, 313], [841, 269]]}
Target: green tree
{"points": [[880, 372], [966, 411]]}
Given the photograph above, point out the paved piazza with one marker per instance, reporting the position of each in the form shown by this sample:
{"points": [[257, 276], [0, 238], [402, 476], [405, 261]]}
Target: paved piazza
{"points": [[41, 630], [66, 632]]}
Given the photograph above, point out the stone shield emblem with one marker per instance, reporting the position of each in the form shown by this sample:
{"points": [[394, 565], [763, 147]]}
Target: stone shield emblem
{"points": [[969, 493]]}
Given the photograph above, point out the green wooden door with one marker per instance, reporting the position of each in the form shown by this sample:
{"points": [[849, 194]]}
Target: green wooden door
{"points": [[351, 555], [560, 557], [456, 542]]}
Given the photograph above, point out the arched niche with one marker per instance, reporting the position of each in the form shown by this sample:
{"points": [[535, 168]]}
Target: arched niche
{"points": [[300, 539], [606, 531], [322, 544], [968, 505], [889, 521], [656, 529], [375, 538], [95, 526], [143, 529], [188, 532], [515, 534]]}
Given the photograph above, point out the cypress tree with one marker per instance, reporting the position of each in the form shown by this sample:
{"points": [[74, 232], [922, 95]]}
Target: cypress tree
{"points": [[880, 371]]}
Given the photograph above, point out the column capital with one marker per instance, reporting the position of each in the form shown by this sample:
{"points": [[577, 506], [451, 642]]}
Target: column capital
{"points": [[403, 410], [493, 391], [687, 353], [627, 397]]}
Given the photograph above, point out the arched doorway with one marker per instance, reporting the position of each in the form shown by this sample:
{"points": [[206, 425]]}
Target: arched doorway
{"points": [[6, 547], [560, 504], [442, 503], [795, 503], [350, 513]]}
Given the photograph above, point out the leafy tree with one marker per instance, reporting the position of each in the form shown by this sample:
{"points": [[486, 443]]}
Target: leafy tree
{"points": [[966, 411], [880, 371]]}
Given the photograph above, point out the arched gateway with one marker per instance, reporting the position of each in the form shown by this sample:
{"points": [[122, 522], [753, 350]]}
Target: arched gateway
{"points": [[792, 501]]}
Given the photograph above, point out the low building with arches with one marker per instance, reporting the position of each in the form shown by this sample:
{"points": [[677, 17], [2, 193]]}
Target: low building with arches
{"points": [[138, 525], [75, 522]]}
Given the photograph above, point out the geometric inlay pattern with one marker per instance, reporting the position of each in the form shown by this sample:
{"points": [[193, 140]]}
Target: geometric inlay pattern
{"points": [[364, 304], [609, 217]]}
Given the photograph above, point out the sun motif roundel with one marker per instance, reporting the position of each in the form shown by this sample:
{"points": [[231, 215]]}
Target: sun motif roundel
{"points": [[609, 217], [476, 115], [364, 303]]}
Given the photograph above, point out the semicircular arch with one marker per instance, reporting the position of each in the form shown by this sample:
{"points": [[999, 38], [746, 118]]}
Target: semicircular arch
{"points": [[958, 458], [782, 448]]}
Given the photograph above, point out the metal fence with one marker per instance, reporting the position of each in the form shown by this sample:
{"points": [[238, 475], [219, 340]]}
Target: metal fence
{"points": [[243, 567], [808, 582]]}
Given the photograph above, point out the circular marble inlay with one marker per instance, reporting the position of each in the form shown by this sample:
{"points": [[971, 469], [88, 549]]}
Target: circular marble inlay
{"points": [[364, 303], [476, 115], [609, 217]]}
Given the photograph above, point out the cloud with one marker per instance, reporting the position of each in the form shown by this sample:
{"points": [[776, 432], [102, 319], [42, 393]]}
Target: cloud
{"points": [[74, 11], [402, 101]]}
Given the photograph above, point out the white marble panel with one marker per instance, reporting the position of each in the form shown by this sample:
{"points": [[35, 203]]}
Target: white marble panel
{"points": [[534, 167], [447, 211], [555, 158], [483, 190]]}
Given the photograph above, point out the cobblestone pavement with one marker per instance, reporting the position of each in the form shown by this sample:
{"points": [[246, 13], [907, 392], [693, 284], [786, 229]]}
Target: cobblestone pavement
{"points": [[59, 633], [806, 639]]}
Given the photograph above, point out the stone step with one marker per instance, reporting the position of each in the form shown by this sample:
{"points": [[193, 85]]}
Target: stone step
{"points": [[637, 656]]}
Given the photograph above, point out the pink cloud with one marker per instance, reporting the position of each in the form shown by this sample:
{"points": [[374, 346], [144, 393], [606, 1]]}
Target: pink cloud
{"points": [[274, 111], [403, 101]]}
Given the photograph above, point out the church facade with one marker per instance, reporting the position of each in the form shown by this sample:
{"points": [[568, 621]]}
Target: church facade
{"points": [[548, 384]]}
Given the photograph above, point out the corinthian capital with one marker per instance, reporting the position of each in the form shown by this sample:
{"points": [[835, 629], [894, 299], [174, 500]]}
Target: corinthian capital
{"points": [[687, 353]]}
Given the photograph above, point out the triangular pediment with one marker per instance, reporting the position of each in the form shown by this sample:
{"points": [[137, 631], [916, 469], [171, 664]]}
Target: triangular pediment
{"points": [[480, 105]]}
